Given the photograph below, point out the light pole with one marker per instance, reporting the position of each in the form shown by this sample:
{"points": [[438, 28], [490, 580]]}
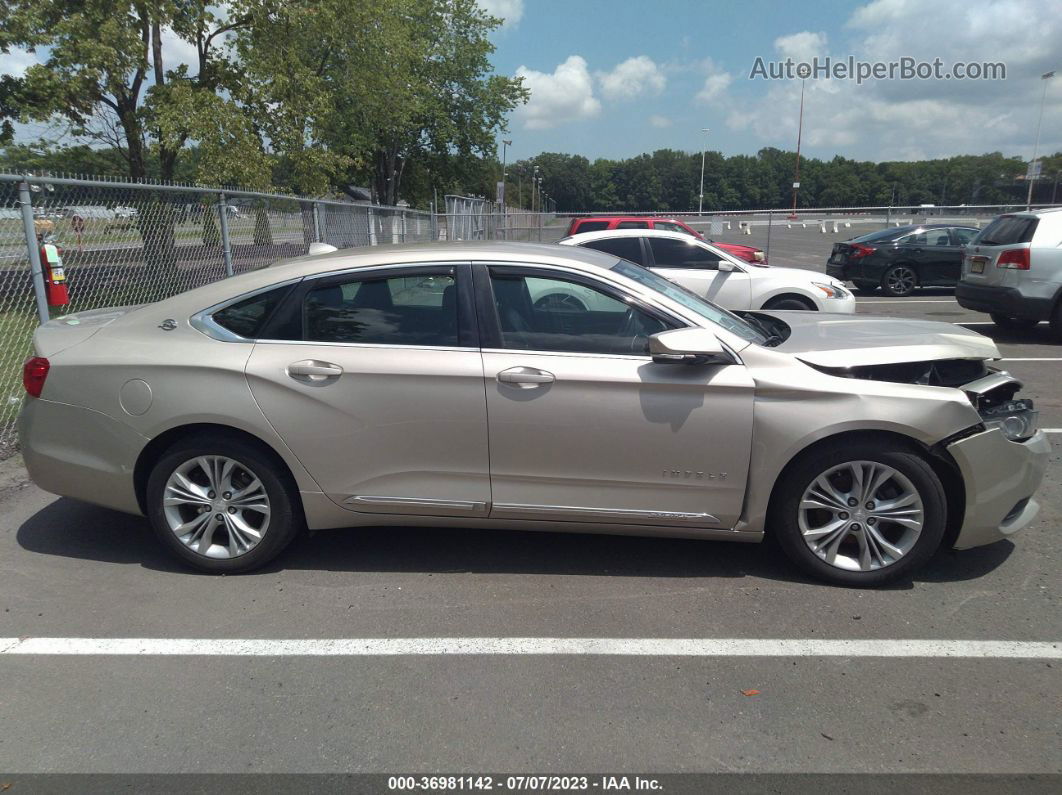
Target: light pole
{"points": [[534, 187], [1036, 146], [504, 199], [700, 199], [800, 134]]}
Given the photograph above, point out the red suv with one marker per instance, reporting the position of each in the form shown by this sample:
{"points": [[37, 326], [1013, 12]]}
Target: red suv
{"points": [[599, 222]]}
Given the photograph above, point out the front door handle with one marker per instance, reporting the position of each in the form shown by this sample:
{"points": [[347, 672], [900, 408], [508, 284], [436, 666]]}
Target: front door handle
{"points": [[314, 371], [525, 377]]}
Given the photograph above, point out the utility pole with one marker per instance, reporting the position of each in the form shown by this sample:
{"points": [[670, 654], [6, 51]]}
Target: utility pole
{"points": [[704, 147], [800, 133], [504, 198], [1036, 146]]}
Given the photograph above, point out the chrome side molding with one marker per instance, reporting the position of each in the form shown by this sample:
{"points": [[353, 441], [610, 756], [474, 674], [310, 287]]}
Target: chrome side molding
{"points": [[580, 514], [412, 504]]}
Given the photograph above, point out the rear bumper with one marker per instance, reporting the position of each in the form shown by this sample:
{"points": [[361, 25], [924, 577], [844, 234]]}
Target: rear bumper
{"points": [[1007, 301], [838, 271], [1001, 478], [80, 453]]}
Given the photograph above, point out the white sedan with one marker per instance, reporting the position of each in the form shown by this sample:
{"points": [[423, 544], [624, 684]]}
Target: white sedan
{"points": [[711, 273]]}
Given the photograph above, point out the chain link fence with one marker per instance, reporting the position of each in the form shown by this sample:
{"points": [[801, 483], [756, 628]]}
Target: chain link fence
{"points": [[470, 218]]}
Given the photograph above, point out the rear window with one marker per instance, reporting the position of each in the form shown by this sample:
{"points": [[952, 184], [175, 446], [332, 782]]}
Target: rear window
{"points": [[1008, 230], [882, 235], [590, 226]]}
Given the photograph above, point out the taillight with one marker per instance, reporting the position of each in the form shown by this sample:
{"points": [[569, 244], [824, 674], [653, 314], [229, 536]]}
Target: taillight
{"points": [[1016, 258], [859, 250], [34, 371]]}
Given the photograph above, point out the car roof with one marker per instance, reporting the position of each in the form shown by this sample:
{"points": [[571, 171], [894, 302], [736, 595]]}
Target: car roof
{"points": [[602, 234], [587, 260], [611, 218]]}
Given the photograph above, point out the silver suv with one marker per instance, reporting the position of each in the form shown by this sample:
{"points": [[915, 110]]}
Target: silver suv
{"points": [[1013, 270]]}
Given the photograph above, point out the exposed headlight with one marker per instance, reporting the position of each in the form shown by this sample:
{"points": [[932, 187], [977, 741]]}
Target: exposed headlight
{"points": [[1015, 418], [833, 290]]}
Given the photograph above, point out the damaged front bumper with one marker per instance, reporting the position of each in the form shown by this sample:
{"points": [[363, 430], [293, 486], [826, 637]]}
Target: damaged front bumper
{"points": [[1001, 477]]}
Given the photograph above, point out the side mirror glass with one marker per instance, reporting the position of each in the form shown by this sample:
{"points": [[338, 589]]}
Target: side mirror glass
{"points": [[688, 346]]}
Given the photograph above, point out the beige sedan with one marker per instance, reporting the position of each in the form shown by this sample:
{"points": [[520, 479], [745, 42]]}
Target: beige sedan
{"points": [[422, 385]]}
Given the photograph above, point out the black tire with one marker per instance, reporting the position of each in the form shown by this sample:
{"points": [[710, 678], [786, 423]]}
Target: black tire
{"points": [[1056, 321], [783, 519], [789, 303], [285, 518], [1013, 323], [865, 288], [899, 281]]}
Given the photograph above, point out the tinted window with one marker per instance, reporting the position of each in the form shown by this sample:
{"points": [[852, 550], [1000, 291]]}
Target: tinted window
{"points": [[591, 226], [668, 226], [916, 239], [549, 314], [418, 309], [625, 247], [963, 236], [632, 225], [882, 235], [247, 317], [1007, 230], [670, 253]]}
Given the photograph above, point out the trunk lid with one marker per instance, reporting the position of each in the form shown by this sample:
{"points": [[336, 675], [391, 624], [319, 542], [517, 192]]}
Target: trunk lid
{"points": [[69, 330]]}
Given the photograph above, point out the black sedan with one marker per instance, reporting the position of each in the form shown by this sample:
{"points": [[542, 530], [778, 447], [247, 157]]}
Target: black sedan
{"points": [[902, 258]]}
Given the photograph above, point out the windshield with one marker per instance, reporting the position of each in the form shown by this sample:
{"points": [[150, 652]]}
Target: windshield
{"points": [[706, 309]]}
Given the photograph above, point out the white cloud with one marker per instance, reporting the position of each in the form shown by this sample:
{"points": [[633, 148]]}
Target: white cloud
{"points": [[16, 61], [510, 11], [660, 122], [903, 119], [177, 51], [714, 87], [565, 96], [631, 79], [801, 46]]}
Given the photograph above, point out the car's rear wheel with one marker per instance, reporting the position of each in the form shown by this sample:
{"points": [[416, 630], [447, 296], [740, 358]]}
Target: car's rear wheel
{"points": [[789, 303], [1013, 323], [899, 280], [859, 514], [222, 504]]}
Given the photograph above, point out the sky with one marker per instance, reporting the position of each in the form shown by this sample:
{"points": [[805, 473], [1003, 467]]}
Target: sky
{"points": [[615, 78]]}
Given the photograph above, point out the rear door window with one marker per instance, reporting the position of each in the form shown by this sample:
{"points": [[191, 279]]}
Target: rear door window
{"points": [[632, 225], [1008, 230], [963, 236], [671, 253], [629, 248]]}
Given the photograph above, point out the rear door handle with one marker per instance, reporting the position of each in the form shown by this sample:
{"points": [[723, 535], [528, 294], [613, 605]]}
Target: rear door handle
{"points": [[526, 377], [314, 371]]}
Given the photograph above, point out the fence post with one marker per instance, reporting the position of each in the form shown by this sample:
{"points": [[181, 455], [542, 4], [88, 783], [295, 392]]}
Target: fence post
{"points": [[767, 252], [226, 250], [317, 222], [33, 251], [434, 223], [372, 227]]}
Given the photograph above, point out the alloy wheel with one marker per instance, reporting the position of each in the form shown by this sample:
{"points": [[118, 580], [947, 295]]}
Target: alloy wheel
{"points": [[861, 516], [216, 506], [901, 280]]}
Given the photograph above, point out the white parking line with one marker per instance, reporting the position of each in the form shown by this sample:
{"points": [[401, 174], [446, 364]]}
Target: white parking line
{"points": [[1051, 430], [903, 301], [624, 647], [1031, 359]]}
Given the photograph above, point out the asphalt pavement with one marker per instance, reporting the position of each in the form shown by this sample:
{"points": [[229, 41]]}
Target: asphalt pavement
{"points": [[71, 570]]}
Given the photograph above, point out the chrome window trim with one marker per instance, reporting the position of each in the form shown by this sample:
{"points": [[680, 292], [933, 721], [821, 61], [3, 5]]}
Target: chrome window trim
{"points": [[387, 345]]}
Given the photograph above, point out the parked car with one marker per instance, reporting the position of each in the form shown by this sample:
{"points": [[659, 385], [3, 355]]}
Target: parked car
{"points": [[599, 223], [900, 259], [1013, 270], [707, 270], [347, 390]]}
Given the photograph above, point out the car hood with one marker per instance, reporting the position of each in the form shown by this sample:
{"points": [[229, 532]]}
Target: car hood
{"points": [[855, 341]]}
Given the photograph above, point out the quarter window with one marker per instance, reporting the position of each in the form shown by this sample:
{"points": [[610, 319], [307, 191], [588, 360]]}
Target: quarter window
{"points": [[418, 309], [247, 317], [551, 314]]}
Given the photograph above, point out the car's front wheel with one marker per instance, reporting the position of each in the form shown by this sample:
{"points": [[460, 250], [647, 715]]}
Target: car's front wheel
{"points": [[789, 303], [899, 281], [222, 504], [859, 514]]}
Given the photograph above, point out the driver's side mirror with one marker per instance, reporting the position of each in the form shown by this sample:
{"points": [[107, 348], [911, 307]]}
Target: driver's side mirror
{"points": [[688, 346], [725, 266]]}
